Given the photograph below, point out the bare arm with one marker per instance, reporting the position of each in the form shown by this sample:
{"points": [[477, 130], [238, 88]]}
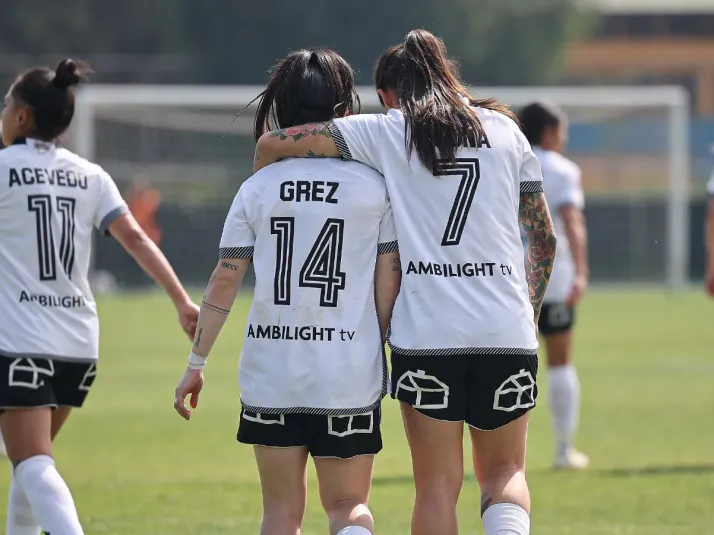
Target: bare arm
{"points": [[576, 230], [387, 280], [132, 237], [537, 223], [306, 141], [217, 302], [709, 246]]}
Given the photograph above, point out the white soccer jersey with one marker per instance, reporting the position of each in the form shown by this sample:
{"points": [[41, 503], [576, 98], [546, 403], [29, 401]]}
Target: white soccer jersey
{"points": [[50, 199], [561, 183], [314, 229], [463, 278]]}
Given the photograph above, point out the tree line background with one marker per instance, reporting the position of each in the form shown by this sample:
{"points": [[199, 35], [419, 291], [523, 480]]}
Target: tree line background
{"points": [[510, 42]]}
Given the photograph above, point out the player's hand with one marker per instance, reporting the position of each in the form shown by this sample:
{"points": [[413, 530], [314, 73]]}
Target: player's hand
{"points": [[191, 383], [578, 291], [188, 318], [710, 282]]}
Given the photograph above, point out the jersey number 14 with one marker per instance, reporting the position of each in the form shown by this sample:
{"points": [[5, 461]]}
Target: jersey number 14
{"points": [[41, 205], [322, 267]]}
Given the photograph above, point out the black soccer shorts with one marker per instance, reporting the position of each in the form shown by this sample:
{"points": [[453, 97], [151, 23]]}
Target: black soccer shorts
{"points": [[341, 437], [555, 318], [34, 382], [485, 391]]}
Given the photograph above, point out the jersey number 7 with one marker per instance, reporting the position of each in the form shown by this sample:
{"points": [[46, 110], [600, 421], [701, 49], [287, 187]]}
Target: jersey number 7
{"points": [[470, 172], [41, 205], [321, 268]]}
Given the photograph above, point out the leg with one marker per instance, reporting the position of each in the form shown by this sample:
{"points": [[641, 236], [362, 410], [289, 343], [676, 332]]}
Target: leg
{"points": [[563, 385], [344, 492], [20, 520], [28, 436], [283, 480], [438, 464]]}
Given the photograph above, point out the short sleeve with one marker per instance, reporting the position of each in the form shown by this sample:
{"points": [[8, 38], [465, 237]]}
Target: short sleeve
{"points": [[710, 186], [111, 204], [238, 238], [531, 176], [387, 242], [568, 190], [359, 138]]}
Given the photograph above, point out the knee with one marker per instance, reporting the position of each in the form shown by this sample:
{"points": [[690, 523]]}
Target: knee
{"points": [[498, 476], [287, 514], [346, 507]]}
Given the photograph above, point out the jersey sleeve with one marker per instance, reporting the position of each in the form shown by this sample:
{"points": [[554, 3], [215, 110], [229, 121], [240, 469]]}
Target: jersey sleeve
{"points": [[568, 191], [359, 138], [387, 242], [531, 176], [238, 238], [111, 204]]}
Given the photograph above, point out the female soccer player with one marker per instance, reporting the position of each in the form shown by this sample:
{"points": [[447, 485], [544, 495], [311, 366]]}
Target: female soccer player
{"points": [[460, 176], [50, 199], [313, 370], [546, 128]]}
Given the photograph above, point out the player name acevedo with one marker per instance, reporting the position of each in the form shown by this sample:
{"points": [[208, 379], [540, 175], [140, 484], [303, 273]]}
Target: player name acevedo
{"points": [[29, 176]]}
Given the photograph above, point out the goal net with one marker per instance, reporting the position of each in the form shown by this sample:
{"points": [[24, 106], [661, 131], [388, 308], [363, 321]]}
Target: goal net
{"points": [[178, 156]]}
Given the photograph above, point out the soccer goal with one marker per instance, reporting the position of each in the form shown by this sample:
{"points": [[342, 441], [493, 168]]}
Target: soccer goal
{"points": [[632, 144]]}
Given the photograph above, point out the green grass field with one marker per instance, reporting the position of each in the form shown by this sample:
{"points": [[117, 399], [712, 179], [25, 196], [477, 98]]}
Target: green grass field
{"points": [[647, 371]]}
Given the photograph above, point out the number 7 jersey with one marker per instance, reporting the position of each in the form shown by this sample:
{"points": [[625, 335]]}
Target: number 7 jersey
{"points": [[314, 229], [50, 201], [464, 288]]}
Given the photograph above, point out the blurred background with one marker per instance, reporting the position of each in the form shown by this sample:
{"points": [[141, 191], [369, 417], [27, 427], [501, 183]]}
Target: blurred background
{"points": [[179, 165], [636, 78]]}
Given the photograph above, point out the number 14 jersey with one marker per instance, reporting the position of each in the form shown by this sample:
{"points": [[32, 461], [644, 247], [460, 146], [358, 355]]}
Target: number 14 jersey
{"points": [[50, 200], [463, 277], [314, 229]]}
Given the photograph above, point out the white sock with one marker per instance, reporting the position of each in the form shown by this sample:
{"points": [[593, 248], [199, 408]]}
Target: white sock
{"points": [[20, 520], [564, 397], [506, 519], [354, 530], [49, 495]]}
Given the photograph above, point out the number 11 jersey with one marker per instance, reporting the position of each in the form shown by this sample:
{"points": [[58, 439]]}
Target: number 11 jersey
{"points": [[464, 287], [50, 200], [314, 229]]}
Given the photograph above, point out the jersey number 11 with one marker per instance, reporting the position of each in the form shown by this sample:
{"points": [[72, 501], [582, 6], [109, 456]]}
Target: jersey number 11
{"points": [[41, 205]]}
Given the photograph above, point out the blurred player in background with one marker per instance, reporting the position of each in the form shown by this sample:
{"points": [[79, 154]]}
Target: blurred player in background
{"points": [[313, 370], [461, 177], [709, 234], [547, 130], [50, 200]]}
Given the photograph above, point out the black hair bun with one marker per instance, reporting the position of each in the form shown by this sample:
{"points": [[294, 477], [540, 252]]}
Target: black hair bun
{"points": [[68, 73]]}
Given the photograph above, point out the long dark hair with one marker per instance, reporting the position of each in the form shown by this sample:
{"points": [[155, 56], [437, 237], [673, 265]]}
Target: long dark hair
{"points": [[536, 118], [437, 107], [49, 95], [308, 86]]}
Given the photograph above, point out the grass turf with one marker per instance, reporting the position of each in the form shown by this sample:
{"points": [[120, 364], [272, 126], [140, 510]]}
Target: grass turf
{"points": [[647, 371]]}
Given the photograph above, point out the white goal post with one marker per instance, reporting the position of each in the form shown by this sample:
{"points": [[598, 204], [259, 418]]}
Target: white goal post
{"points": [[122, 99]]}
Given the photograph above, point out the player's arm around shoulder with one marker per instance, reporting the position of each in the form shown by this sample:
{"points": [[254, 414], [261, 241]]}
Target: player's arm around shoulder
{"points": [[306, 141], [387, 281]]}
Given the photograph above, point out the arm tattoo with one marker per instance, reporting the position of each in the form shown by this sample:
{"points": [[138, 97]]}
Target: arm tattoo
{"points": [[535, 219], [226, 265], [311, 154], [486, 502], [396, 264], [296, 133], [215, 308], [197, 342]]}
